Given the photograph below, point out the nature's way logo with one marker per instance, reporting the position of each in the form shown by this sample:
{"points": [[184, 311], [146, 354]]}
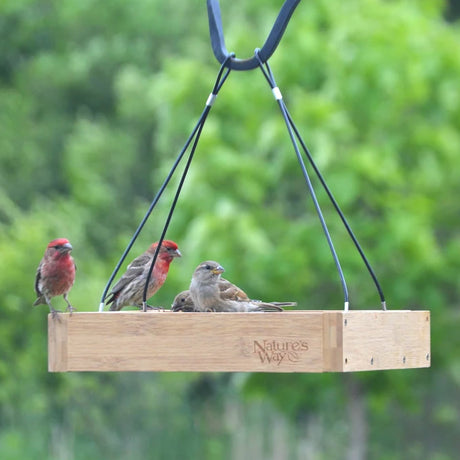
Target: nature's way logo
{"points": [[276, 352]]}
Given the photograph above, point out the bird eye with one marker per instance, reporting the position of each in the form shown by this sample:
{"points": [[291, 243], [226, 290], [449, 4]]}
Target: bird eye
{"points": [[208, 267]]}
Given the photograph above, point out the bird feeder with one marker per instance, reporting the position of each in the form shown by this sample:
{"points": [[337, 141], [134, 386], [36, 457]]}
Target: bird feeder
{"points": [[289, 341]]}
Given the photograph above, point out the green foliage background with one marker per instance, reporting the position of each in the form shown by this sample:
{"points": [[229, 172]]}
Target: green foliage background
{"points": [[97, 99]]}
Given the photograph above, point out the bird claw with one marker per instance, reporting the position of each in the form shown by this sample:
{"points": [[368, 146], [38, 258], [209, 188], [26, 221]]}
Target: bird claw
{"points": [[70, 309], [55, 314]]}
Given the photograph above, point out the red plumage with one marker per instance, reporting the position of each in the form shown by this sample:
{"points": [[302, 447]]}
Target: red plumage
{"points": [[129, 290], [55, 274]]}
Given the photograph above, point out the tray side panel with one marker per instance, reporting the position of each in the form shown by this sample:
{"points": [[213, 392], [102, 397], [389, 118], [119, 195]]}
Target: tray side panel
{"points": [[377, 340], [57, 343], [214, 342]]}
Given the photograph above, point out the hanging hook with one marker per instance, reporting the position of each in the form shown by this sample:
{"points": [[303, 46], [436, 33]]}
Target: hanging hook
{"points": [[274, 37]]}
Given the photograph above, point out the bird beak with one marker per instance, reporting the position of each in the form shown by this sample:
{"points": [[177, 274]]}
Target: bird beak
{"points": [[176, 253], [67, 247], [218, 270]]}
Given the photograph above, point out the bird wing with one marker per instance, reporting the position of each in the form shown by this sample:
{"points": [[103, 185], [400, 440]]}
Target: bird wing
{"points": [[265, 306], [135, 268], [38, 277], [230, 291]]}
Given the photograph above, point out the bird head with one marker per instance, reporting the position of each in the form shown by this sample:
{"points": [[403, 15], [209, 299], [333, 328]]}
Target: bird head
{"points": [[168, 248], [209, 270], [182, 301], [60, 245]]}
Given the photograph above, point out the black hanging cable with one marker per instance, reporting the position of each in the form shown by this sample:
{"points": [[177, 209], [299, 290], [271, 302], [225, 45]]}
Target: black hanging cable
{"points": [[277, 93], [340, 213], [171, 211], [269, 76], [260, 57], [259, 60], [196, 132], [201, 123], [334, 203]]}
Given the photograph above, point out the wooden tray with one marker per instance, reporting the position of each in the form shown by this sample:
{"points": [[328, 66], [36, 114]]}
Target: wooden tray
{"points": [[291, 341]]}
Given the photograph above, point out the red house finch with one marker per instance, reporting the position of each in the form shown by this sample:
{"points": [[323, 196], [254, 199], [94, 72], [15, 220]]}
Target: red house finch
{"points": [[130, 288], [209, 292], [55, 274]]}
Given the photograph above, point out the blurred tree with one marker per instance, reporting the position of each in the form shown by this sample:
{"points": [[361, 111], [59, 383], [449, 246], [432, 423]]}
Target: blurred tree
{"points": [[97, 99]]}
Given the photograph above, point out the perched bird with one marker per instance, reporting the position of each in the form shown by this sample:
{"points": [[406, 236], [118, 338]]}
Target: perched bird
{"points": [[130, 288], [183, 301], [209, 292], [55, 274]]}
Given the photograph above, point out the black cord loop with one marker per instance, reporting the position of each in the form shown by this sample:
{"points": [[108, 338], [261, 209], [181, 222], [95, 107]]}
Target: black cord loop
{"points": [[269, 47], [228, 63]]}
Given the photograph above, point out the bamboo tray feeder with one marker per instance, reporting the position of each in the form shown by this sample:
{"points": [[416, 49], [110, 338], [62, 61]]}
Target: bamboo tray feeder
{"points": [[290, 341]]}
